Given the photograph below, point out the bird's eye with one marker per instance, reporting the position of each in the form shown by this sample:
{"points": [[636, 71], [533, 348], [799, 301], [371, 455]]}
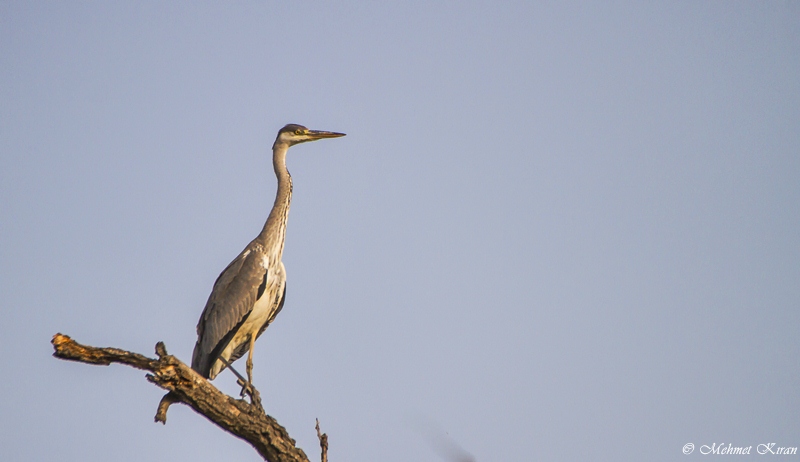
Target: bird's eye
{"points": [[298, 132]]}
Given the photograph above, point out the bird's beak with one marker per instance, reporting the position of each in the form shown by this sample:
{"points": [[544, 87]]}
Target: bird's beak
{"points": [[319, 134]]}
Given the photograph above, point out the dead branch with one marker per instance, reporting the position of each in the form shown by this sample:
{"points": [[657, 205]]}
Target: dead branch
{"points": [[184, 385], [323, 443]]}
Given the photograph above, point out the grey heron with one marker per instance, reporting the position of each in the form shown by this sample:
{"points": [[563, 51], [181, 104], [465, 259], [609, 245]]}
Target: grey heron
{"points": [[250, 292]]}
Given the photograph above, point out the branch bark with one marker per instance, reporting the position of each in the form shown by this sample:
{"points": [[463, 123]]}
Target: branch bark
{"points": [[323, 443], [238, 417]]}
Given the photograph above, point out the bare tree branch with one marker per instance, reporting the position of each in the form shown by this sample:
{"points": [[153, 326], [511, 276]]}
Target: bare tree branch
{"points": [[238, 417], [323, 443]]}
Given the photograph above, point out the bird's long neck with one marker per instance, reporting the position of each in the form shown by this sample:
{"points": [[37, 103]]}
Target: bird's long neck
{"points": [[274, 232]]}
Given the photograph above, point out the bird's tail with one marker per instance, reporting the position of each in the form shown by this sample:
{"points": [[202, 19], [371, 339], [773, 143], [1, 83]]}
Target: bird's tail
{"points": [[200, 362]]}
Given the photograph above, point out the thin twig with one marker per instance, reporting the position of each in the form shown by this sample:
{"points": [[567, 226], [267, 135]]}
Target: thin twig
{"points": [[323, 443]]}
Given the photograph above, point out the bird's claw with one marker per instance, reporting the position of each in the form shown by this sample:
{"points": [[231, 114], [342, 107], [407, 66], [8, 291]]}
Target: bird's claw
{"points": [[249, 390]]}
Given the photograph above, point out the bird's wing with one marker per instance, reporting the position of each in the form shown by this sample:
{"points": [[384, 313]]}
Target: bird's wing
{"points": [[274, 293], [280, 294], [235, 292], [279, 301]]}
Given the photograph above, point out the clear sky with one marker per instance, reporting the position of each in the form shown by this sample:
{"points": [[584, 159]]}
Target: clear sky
{"points": [[555, 231]]}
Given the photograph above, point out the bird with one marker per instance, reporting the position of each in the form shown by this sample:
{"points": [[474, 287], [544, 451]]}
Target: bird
{"points": [[251, 290]]}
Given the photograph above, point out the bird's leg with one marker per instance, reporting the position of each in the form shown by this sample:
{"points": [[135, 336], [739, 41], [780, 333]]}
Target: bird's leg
{"points": [[250, 359], [229, 366], [255, 397], [247, 386]]}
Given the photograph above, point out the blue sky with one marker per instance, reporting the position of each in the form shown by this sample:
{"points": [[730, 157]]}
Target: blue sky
{"points": [[555, 231]]}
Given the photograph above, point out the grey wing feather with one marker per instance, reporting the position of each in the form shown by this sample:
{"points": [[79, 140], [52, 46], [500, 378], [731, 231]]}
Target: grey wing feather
{"points": [[244, 347], [234, 294]]}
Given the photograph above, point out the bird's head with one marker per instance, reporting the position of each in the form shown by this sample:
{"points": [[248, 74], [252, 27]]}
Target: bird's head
{"points": [[294, 134]]}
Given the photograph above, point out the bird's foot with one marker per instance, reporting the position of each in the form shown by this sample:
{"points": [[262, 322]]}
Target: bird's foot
{"points": [[250, 390]]}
